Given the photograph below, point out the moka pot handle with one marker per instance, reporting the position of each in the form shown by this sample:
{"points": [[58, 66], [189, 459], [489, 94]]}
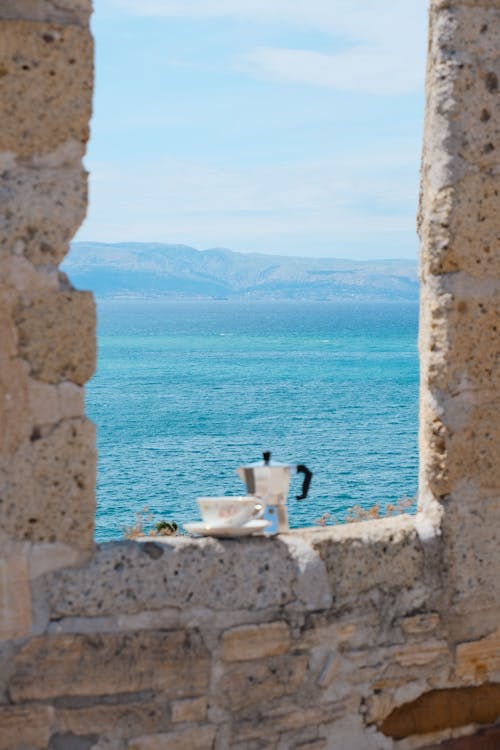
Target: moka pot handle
{"points": [[301, 469]]}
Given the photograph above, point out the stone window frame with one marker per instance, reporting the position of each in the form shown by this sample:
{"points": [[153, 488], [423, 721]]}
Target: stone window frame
{"points": [[418, 594]]}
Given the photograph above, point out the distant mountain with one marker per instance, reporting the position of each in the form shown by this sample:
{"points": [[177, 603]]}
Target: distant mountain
{"points": [[157, 270]]}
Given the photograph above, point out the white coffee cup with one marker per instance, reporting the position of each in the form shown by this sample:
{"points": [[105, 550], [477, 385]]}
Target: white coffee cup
{"points": [[229, 511]]}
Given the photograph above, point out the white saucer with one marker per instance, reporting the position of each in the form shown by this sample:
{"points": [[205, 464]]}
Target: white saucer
{"points": [[251, 527]]}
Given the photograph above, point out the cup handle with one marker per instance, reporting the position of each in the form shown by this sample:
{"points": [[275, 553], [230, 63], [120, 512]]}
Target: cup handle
{"points": [[258, 511]]}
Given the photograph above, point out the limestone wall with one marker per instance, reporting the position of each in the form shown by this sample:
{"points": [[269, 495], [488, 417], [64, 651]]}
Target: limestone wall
{"points": [[379, 635]]}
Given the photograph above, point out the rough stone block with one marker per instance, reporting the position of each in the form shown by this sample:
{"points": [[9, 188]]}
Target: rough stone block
{"points": [[201, 738], [132, 576], [466, 454], [421, 654], [286, 719], [57, 336], [175, 664], [366, 555], [25, 727], [48, 493], [189, 709], [462, 229], [51, 11], [255, 641], [479, 660], [463, 85], [42, 208], [43, 402], [471, 536], [124, 720], [71, 400], [245, 686], [463, 342], [45, 86], [15, 417], [418, 624], [15, 597], [45, 558]]}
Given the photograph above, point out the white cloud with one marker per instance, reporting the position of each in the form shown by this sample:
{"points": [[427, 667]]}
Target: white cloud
{"points": [[314, 207], [363, 71], [383, 41]]}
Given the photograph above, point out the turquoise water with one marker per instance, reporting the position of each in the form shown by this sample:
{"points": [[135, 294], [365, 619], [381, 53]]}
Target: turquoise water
{"points": [[187, 391]]}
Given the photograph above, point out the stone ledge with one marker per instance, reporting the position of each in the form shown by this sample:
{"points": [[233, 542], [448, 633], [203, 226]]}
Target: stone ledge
{"points": [[305, 570]]}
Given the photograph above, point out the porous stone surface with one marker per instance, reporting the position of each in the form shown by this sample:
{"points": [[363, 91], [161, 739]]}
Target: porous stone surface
{"points": [[201, 738], [56, 336], [26, 726], [378, 635], [460, 306], [54, 474], [15, 599], [255, 641], [53, 11], [42, 206], [45, 87], [173, 664]]}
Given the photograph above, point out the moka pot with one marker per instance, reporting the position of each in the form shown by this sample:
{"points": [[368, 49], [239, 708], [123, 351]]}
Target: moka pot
{"points": [[270, 481]]}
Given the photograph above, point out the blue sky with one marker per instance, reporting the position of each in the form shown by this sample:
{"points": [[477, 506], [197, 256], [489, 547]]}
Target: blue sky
{"points": [[276, 126]]}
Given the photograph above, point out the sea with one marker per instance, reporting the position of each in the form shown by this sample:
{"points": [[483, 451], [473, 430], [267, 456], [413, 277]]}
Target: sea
{"points": [[187, 391]]}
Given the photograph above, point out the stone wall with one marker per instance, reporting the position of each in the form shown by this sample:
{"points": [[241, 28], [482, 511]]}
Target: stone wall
{"points": [[381, 635]]}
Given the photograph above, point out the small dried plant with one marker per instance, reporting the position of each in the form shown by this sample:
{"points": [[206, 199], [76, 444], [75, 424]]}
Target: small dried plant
{"points": [[143, 519], [356, 513]]}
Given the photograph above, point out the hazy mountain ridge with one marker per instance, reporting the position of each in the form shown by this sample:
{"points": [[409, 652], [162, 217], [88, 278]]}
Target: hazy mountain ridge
{"points": [[157, 270]]}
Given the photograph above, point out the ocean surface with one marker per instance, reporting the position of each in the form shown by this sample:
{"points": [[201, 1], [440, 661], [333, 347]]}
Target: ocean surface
{"points": [[185, 392]]}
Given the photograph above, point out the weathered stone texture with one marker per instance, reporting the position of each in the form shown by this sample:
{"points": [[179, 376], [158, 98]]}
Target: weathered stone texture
{"points": [[444, 709], [57, 336], [129, 577], [54, 473], [128, 719], [15, 599], [189, 709], [255, 641], [25, 727], [45, 87], [246, 686], [460, 310], [51, 11], [42, 207], [314, 640], [174, 664], [201, 738], [479, 660]]}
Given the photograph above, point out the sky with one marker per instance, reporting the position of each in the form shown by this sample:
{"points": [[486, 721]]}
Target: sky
{"points": [[288, 127]]}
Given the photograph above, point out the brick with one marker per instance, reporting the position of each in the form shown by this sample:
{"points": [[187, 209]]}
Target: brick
{"points": [[255, 641], [62, 11], [420, 654], [46, 87], [43, 402], [25, 727], [246, 685], [420, 623], [127, 719], [479, 660], [42, 209], [175, 664], [201, 738], [15, 597], [57, 336], [190, 709], [71, 400], [54, 475]]}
